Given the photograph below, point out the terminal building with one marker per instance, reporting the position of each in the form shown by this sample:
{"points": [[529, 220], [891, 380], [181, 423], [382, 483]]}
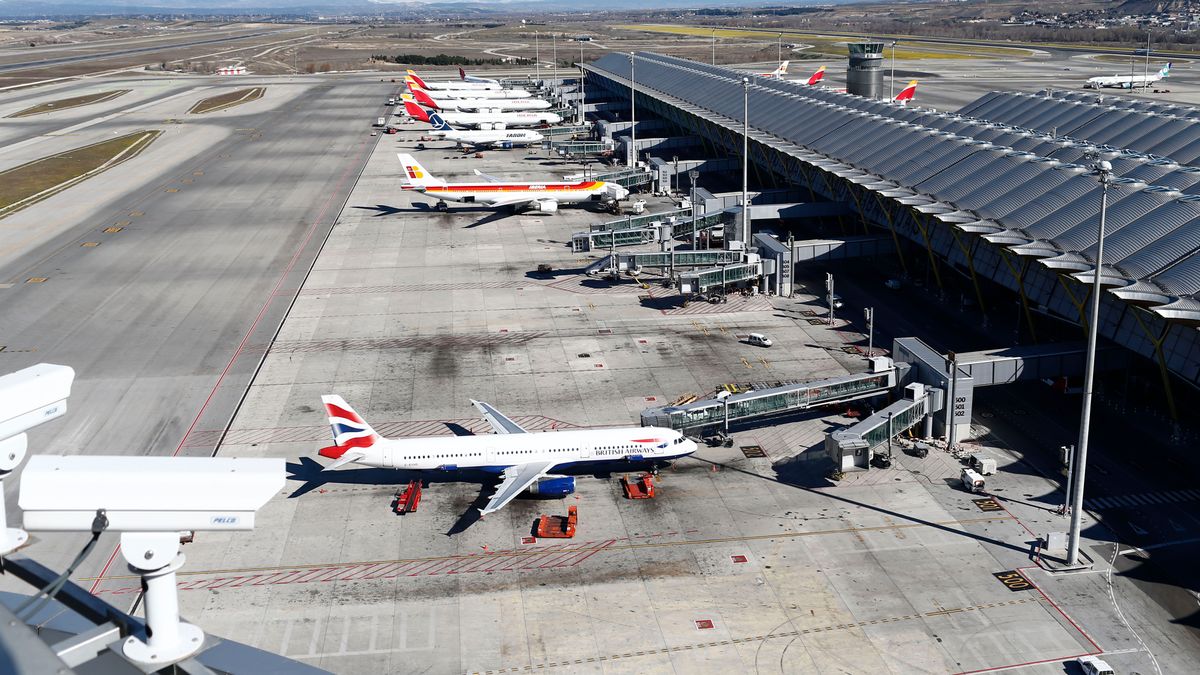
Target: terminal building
{"points": [[998, 198]]}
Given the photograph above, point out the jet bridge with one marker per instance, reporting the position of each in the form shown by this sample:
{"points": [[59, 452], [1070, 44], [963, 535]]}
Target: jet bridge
{"points": [[853, 447], [790, 398], [625, 262], [643, 229], [702, 281]]}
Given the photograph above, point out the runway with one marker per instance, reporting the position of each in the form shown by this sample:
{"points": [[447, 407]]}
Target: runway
{"points": [[212, 239]]}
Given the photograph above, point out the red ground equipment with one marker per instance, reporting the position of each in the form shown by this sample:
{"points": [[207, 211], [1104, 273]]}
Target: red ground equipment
{"points": [[558, 527], [408, 499], [640, 488]]}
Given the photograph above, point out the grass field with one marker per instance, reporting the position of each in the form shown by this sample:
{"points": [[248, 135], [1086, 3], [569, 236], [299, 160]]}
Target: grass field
{"points": [[836, 45], [32, 182], [65, 103], [215, 103]]}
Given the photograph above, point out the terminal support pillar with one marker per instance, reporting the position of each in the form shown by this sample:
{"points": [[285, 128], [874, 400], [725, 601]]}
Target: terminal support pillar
{"points": [[953, 359], [1160, 357]]}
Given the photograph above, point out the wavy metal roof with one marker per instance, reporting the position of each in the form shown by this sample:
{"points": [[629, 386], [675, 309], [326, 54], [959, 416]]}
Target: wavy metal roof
{"points": [[993, 169], [1161, 129]]}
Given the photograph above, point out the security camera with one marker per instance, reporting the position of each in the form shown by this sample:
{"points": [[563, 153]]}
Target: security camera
{"points": [[30, 397], [147, 494], [149, 500], [1104, 166]]}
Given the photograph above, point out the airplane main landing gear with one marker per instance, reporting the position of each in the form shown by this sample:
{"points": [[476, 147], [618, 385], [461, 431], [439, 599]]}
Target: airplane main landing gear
{"points": [[440, 206]]}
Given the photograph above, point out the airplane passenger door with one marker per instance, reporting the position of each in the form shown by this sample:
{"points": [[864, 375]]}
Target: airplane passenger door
{"points": [[585, 451]]}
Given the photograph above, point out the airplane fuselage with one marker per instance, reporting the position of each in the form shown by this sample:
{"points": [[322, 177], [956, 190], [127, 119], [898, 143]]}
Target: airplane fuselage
{"points": [[486, 193], [491, 104], [512, 119], [496, 452], [484, 93]]}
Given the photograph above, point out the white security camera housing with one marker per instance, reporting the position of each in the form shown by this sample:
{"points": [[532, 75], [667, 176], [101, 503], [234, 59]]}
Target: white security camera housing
{"points": [[146, 494], [32, 396]]}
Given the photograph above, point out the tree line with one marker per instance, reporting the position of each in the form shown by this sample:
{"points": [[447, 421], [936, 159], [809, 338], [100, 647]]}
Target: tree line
{"points": [[440, 60]]}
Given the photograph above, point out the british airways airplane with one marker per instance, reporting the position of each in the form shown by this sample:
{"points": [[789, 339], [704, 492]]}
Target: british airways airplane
{"points": [[526, 461]]}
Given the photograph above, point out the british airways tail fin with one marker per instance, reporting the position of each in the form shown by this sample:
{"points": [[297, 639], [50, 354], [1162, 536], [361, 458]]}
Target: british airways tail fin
{"points": [[353, 438]]}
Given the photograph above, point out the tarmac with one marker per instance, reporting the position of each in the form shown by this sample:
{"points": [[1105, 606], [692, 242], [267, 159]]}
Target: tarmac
{"points": [[266, 256], [163, 280], [738, 564]]}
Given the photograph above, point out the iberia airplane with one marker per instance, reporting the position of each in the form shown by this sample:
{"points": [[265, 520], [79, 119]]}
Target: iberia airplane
{"points": [[778, 72], [526, 461], [484, 120], [452, 91], [816, 77], [541, 197], [444, 103], [906, 94]]}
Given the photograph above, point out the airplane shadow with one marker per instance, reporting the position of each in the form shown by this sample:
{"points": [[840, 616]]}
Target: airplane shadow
{"points": [[383, 209]]}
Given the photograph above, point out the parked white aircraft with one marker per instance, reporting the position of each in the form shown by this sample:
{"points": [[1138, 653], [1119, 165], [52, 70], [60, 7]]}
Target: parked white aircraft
{"points": [[779, 72], [425, 98], [488, 85], [497, 138], [526, 461], [1127, 81], [484, 120], [476, 80], [414, 83], [493, 192]]}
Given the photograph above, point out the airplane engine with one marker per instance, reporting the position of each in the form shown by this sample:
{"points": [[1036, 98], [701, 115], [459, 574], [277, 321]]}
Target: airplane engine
{"points": [[486, 126], [499, 126], [553, 487], [507, 145], [546, 206]]}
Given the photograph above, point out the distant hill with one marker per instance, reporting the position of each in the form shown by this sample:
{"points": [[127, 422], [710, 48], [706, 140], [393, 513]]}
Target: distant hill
{"points": [[1156, 6]]}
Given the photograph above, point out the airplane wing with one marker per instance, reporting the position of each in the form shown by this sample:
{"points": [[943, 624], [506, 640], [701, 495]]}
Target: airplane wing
{"points": [[488, 177], [500, 423], [516, 479], [514, 201]]}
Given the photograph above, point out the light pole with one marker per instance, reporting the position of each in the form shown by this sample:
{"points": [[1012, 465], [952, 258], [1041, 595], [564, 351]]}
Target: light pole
{"points": [[829, 287], [1103, 171], [554, 53], [582, 93], [632, 115], [693, 174], [870, 314], [781, 47], [745, 164], [892, 77], [537, 57], [675, 174], [714, 43]]}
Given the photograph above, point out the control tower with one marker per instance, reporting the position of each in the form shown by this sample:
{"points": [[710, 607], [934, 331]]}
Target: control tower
{"points": [[864, 75]]}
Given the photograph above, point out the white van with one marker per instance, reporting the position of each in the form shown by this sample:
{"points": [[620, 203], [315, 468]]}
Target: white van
{"points": [[1094, 666], [759, 339], [972, 482], [983, 464]]}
